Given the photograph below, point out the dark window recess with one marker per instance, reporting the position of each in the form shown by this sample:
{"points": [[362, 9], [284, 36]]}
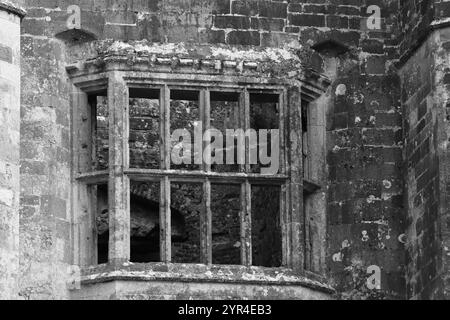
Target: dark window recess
{"points": [[225, 115], [100, 193], [266, 226], [225, 208], [144, 127], [184, 115], [100, 130], [186, 205], [144, 223], [264, 115]]}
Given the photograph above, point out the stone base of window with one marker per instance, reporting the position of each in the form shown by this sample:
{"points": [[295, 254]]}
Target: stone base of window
{"points": [[181, 281]]}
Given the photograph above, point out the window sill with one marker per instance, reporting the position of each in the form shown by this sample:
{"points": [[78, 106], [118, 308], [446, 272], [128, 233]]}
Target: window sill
{"points": [[198, 273]]}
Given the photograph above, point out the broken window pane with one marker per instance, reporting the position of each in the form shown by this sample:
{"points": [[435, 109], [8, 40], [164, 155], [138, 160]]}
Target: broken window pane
{"points": [[225, 208], [186, 205], [184, 120], [100, 140], [100, 194], [144, 221], [144, 126], [265, 121], [225, 115], [266, 226]]}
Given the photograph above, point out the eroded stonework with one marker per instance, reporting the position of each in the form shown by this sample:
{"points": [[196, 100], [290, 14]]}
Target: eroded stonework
{"points": [[380, 118]]}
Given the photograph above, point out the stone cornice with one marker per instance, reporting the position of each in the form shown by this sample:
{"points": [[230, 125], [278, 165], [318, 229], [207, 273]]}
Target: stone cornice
{"points": [[267, 64]]}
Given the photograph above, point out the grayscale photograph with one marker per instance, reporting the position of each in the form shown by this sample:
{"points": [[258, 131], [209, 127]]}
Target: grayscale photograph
{"points": [[225, 150]]}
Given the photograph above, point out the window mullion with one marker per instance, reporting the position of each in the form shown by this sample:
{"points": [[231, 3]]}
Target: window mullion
{"points": [[284, 195], [119, 184], [246, 219], [296, 223], [83, 241], [165, 226], [246, 224], [206, 225], [283, 111], [205, 118], [165, 127], [243, 101], [164, 210], [206, 215], [246, 126]]}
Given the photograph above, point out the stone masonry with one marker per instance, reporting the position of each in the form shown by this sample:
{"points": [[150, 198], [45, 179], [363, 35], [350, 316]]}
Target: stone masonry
{"points": [[384, 173]]}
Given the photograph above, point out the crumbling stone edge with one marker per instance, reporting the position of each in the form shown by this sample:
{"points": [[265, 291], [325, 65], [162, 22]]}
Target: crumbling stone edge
{"points": [[9, 7]]}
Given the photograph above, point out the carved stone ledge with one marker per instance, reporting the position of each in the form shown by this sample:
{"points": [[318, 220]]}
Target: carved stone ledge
{"points": [[264, 65]]}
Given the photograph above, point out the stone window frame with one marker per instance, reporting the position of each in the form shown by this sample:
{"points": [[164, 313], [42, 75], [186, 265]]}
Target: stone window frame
{"points": [[117, 78]]}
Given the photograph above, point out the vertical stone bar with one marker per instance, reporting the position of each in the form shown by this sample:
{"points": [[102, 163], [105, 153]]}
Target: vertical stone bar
{"points": [[284, 196], [315, 204], [82, 160], [246, 126], [165, 127], [206, 225], [206, 215], [164, 221], [296, 224], [243, 99], [119, 184], [10, 152], [282, 101], [164, 203], [205, 115], [246, 193], [246, 224]]}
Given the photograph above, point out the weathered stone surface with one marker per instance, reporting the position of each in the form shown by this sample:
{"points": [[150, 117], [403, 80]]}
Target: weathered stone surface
{"points": [[386, 180], [426, 155]]}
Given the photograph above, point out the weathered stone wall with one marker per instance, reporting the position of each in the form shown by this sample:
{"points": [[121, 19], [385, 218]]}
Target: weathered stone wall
{"points": [[424, 99], [417, 20], [45, 232], [364, 197], [364, 203], [9, 145], [423, 66]]}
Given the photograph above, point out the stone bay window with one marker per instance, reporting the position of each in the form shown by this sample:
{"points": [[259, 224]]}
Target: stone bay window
{"points": [[137, 207]]}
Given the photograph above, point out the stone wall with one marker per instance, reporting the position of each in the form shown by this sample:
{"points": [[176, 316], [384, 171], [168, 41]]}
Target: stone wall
{"points": [[45, 218], [417, 20], [368, 220], [364, 196], [9, 144], [424, 99]]}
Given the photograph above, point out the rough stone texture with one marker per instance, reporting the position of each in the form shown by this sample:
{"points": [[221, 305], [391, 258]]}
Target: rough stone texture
{"points": [[424, 99], [193, 281], [45, 233], [418, 19], [174, 290], [387, 173], [9, 156], [358, 152]]}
